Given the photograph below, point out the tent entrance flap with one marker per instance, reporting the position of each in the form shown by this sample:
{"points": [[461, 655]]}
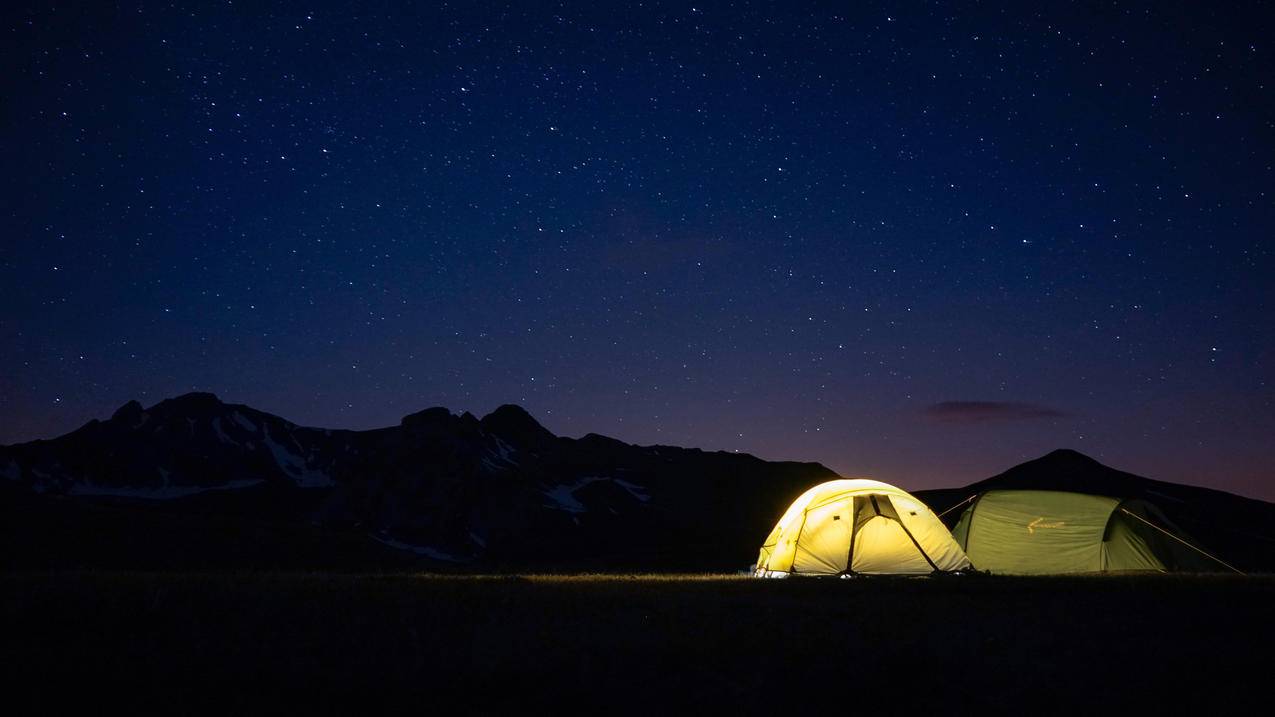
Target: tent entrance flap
{"points": [[872, 507]]}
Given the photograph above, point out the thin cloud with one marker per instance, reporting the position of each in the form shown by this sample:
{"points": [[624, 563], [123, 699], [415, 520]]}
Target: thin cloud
{"points": [[987, 411]]}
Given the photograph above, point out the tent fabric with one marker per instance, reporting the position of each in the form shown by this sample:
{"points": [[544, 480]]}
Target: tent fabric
{"points": [[1041, 532], [873, 527]]}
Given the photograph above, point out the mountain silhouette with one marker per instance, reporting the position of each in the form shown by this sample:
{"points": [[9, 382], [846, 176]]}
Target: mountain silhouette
{"points": [[444, 489], [194, 482]]}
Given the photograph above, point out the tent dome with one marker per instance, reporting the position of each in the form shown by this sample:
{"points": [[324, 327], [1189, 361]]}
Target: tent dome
{"points": [[863, 526]]}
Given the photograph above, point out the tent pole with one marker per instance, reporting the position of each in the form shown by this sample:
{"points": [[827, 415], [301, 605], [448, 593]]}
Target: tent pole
{"points": [[854, 530], [919, 549], [792, 569]]}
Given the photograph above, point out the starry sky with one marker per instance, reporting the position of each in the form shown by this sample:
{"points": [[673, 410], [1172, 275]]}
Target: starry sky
{"points": [[920, 243]]}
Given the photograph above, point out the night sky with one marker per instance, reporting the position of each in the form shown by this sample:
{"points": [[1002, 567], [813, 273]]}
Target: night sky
{"points": [[920, 244]]}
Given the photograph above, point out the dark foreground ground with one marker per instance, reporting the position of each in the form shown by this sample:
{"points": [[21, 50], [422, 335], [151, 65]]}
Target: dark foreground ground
{"points": [[414, 644]]}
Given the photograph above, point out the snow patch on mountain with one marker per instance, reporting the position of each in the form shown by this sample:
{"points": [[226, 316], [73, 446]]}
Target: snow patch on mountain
{"points": [[506, 451], [424, 550], [243, 421], [563, 496], [221, 434], [500, 458], [295, 466], [635, 490]]}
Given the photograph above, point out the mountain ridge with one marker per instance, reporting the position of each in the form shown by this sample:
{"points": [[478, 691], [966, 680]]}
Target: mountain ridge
{"points": [[451, 488], [455, 490]]}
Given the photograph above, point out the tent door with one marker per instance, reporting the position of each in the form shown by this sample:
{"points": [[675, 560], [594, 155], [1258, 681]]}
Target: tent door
{"points": [[868, 507]]}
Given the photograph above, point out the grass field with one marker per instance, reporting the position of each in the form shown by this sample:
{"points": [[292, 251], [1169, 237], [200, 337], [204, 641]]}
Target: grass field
{"points": [[404, 643]]}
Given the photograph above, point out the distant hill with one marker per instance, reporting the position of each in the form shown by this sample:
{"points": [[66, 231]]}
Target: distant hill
{"points": [[195, 482], [1237, 529]]}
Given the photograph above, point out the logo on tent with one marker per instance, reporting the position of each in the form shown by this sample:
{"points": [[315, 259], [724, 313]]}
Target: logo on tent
{"points": [[1042, 523]]}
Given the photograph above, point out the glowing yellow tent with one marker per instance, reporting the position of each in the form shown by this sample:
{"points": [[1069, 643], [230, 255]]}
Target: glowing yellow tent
{"points": [[859, 526]]}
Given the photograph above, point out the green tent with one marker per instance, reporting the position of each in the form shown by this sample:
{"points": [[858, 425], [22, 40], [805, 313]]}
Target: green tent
{"points": [[1026, 532]]}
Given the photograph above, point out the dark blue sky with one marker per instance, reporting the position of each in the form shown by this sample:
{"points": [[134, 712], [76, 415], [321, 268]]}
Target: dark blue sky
{"points": [[916, 243]]}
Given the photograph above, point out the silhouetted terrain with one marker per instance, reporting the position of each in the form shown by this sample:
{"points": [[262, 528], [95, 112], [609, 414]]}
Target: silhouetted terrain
{"points": [[193, 483], [151, 564]]}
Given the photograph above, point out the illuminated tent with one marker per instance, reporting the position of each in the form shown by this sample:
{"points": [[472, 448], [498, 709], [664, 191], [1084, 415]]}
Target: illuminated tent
{"points": [[858, 527], [1025, 532]]}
